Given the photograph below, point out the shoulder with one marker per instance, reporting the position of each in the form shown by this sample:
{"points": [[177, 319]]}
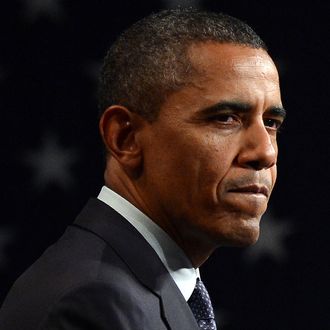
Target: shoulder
{"points": [[86, 278], [88, 296], [98, 304]]}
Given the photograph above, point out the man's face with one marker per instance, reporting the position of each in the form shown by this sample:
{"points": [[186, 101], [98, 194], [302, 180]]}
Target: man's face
{"points": [[210, 163]]}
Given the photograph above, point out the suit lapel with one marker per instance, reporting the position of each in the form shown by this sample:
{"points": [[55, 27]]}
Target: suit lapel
{"points": [[135, 251], [176, 310]]}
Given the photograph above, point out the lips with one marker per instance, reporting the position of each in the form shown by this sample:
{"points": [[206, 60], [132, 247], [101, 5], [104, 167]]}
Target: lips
{"points": [[251, 189]]}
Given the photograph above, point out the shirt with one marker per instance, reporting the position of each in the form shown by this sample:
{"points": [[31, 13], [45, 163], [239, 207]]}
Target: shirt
{"points": [[172, 256]]}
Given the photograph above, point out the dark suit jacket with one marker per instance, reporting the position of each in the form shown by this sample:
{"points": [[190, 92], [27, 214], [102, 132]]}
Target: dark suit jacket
{"points": [[100, 275]]}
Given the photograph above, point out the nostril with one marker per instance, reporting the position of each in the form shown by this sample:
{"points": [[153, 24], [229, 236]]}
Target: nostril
{"points": [[255, 164]]}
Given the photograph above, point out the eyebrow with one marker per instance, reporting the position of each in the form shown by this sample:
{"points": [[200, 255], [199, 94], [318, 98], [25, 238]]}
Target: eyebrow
{"points": [[241, 107], [277, 111]]}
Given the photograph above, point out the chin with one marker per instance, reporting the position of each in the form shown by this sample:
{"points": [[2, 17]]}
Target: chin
{"points": [[246, 239], [242, 235]]}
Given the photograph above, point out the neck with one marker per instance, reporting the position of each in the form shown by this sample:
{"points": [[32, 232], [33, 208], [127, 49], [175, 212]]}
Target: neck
{"points": [[196, 249]]}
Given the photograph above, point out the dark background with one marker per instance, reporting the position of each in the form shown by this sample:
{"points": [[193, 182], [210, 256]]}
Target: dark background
{"points": [[51, 155]]}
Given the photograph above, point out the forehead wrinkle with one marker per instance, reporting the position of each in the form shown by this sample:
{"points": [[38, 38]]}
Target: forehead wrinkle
{"points": [[255, 66], [233, 68], [246, 66]]}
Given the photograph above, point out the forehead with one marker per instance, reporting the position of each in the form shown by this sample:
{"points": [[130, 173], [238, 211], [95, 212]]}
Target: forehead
{"points": [[225, 73], [231, 61]]}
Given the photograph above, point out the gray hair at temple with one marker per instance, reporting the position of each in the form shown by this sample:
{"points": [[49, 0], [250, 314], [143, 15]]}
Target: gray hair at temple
{"points": [[149, 60]]}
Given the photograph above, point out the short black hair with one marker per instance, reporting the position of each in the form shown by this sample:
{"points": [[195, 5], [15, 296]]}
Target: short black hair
{"points": [[149, 60]]}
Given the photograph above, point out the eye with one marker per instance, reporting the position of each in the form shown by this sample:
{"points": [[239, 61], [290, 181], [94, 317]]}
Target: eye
{"points": [[271, 123], [224, 118]]}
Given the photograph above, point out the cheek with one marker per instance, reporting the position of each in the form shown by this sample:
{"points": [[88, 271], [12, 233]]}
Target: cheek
{"points": [[212, 164], [273, 172], [192, 164]]}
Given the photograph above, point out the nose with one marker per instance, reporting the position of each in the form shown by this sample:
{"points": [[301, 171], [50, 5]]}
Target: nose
{"points": [[258, 148]]}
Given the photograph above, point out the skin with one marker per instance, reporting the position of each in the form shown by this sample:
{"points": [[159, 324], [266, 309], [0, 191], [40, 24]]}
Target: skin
{"points": [[205, 168]]}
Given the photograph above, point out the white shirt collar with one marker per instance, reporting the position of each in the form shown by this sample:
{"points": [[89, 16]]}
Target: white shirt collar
{"points": [[172, 256]]}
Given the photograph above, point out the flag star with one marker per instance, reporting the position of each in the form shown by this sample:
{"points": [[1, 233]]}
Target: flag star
{"points": [[51, 163], [38, 8], [271, 241], [182, 3], [6, 237]]}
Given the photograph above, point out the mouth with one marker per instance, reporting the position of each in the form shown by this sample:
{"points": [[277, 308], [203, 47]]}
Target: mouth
{"points": [[251, 189]]}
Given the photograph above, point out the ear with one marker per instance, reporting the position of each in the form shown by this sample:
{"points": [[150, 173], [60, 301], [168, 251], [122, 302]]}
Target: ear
{"points": [[118, 128]]}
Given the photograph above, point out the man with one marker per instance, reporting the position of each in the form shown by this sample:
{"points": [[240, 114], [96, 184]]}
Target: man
{"points": [[191, 107]]}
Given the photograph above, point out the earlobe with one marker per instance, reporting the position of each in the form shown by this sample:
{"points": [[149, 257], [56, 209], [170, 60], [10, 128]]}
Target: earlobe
{"points": [[118, 128]]}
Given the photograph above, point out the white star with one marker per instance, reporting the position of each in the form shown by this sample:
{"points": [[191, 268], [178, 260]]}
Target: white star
{"points": [[182, 3], [6, 236], [38, 8], [51, 163], [273, 233]]}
